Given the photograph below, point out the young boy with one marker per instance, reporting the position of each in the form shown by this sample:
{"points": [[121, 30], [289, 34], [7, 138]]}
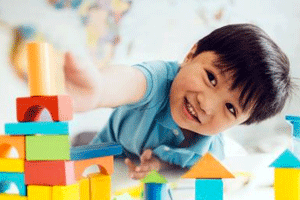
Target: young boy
{"points": [[168, 113]]}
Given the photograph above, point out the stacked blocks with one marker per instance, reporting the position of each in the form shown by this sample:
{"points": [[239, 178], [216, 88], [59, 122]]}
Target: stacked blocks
{"points": [[47, 167], [287, 167]]}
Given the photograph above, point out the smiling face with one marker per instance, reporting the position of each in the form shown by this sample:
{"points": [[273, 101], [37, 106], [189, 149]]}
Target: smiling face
{"points": [[201, 100]]}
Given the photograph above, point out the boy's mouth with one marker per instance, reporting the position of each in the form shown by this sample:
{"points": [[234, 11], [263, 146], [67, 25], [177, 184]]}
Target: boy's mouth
{"points": [[191, 110]]}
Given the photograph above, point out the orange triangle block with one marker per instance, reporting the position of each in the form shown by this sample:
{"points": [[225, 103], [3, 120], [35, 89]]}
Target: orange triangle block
{"points": [[208, 167]]}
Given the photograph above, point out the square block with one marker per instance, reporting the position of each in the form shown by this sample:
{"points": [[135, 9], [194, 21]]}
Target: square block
{"points": [[209, 189], [287, 183], [7, 142], [12, 197], [69, 192], [52, 147], [17, 178], [100, 186], [49, 173], [36, 192], [11, 165], [31, 128], [84, 185], [30, 108]]}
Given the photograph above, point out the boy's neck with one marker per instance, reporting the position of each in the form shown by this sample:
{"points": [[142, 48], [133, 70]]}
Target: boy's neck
{"points": [[189, 138]]}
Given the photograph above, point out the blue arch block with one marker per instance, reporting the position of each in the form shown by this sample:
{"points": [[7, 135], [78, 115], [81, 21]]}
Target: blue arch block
{"points": [[155, 191], [17, 178]]}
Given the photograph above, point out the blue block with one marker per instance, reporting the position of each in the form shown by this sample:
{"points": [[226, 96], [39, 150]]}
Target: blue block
{"points": [[30, 128], [95, 151], [155, 191], [18, 178], [286, 160], [209, 189], [295, 121]]}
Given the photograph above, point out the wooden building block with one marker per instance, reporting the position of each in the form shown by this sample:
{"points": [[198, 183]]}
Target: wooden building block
{"points": [[154, 177], [49, 173], [100, 186], [31, 128], [155, 191], [12, 197], [37, 192], [29, 109], [41, 70], [11, 165], [209, 189], [52, 147], [286, 160], [7, 142], [17, 178], [84, 185], [105, 164], [94, 151], [287, 184], [69, 192]]}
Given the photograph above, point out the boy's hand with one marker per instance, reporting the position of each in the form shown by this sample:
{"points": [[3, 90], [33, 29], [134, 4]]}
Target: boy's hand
{"points": [[81, 83], [148, 163]]}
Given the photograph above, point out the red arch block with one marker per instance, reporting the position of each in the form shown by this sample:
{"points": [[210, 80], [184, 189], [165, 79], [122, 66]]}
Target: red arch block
{"points": [[29, 109]]}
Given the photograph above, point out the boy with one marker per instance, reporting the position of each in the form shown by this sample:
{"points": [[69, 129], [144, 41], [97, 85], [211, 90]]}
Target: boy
{"points": [[171, 114]]}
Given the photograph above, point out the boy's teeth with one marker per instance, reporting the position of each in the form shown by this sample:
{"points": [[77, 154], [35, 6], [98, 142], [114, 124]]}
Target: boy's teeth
{"points": [[191, 109]]}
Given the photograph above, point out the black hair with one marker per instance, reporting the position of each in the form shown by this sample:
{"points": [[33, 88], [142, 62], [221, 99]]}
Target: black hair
{"points": [[257, 65]]}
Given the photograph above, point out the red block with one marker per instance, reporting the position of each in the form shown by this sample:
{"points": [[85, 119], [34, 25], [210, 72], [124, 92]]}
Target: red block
{"points": [[49, 173], [29, 109]]}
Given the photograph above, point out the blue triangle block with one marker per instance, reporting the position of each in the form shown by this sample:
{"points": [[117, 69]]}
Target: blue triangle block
{"points": [[286, 160]]}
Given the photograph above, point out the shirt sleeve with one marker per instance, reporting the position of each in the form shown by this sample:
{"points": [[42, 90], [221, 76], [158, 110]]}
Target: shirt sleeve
{"points": [[187, 157]]}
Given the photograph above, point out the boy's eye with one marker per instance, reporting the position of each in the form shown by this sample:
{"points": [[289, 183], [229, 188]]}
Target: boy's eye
{"points": [[211, 78], [231, 108]]}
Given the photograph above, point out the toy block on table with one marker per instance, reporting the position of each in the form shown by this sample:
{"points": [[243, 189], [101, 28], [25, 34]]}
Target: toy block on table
{"points": [[95, 150], [286, 160], [37, 192], [69, 192], [100, 186], [41, 71], [30, 108], [31, 128], [295, 121], [155, 186], [84, 185], [17, 178], [208, 167], [209, 189], [7, 142], [49, 173], [48, 147], [12, 197], [11, 165]]}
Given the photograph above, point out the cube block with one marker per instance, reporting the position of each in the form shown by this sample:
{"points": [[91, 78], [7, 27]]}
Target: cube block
{"points": [[100, 186], [37, 192], [287, 184], [209, 189]]}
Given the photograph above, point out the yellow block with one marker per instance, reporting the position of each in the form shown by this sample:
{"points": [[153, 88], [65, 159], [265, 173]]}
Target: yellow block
{"points": [[12, 197], [84, 185], [11, 165], [69, 192], [287, 184], [100, 186], [41, 70], [38, 192]]}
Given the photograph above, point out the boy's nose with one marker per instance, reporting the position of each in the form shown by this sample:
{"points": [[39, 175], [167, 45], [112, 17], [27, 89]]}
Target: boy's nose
{"points": [[208, 103]]}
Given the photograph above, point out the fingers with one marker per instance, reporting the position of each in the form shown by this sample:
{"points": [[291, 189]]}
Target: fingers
{"points": [[146, 156]]}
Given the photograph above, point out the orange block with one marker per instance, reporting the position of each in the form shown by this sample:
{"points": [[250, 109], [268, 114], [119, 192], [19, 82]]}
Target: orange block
{"points": [[106, 166], [30, 108], [49, 173], [7, 142], [208, 167]]}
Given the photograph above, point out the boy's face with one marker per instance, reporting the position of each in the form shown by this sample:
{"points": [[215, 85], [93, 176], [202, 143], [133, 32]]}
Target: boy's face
{"points": [[201, 100]]}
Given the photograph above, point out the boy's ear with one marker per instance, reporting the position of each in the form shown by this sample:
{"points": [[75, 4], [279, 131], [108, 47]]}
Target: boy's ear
{"points": [[191, 53]]}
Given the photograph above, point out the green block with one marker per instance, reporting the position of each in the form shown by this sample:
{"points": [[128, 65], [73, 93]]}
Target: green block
{"points": [[46, 147], [154, 177]]}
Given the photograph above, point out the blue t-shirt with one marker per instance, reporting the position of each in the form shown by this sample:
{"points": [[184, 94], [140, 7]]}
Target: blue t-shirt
{"points": [[148, 124]]}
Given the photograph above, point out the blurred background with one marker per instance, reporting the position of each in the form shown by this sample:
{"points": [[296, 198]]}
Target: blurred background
{"points": [[131, 31]]}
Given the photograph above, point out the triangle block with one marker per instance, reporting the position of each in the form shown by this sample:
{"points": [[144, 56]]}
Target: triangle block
{"points": [[154, 177], [286, 160], [208, 167]]}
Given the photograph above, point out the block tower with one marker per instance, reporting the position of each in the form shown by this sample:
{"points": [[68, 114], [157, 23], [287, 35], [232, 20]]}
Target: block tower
{"points": [[47, 167], [287, 167], [208, 172]]}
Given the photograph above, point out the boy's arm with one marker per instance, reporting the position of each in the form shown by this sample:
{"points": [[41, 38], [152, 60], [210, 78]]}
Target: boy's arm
{"points": [[109, 87]]}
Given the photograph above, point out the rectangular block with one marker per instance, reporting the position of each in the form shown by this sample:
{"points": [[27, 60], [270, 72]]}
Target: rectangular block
{"points": [[29, 109], [31, 128], [11, 165], [12, 197], [84, 185], [70, 192], [53, 147], [287, 184], [209, 189], [50, 173], [36, 192], [17, 178], [8, 142], [100, 187], [94, 151]]}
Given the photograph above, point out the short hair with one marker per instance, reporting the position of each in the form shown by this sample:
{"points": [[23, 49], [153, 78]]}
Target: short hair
{"points": [[257, 65]]}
